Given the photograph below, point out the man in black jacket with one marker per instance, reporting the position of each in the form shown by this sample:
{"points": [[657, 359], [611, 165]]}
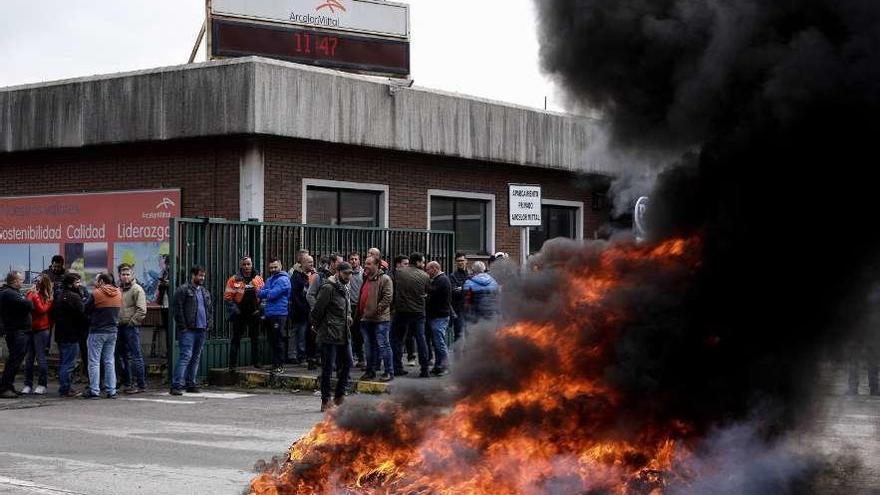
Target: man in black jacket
{"points": [[15, 322], [71, 323], [438, 308], [332, 319], [457, 278], [193, 315]]}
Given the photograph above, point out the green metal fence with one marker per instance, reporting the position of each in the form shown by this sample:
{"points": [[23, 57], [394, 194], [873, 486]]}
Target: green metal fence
{"points": [[218, 245]]}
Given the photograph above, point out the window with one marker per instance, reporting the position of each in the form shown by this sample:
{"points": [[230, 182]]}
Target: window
{"points": [[556, 221], [469, 217], [334, 206]]}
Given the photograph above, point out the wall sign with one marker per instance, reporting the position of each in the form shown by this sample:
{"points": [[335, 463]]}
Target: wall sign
{"points": [[524, 205]]}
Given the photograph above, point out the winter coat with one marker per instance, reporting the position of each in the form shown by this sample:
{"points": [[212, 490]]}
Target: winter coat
{"points": [[379, 292], [103, 309], [240, 299], [411, 286], [439, 303], [15, 311], [185, 307], [482, 290], [134, 306], [69, 314], [458, 278], [276, 292], [299, 305], [332, 313], [40, 314], [354, 285]]}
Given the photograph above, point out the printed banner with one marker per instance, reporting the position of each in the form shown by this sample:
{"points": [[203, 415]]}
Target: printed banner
{"points": [[94, 232]]}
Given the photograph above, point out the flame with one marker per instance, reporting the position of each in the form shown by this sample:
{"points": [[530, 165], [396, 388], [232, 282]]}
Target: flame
{"points": [[554, 430]]}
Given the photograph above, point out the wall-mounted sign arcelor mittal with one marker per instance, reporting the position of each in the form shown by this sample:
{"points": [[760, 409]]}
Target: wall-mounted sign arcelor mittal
{"points": [[359, 16]]}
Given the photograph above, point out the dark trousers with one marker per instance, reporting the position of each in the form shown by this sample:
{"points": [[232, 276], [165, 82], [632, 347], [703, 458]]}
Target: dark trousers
{"points": [[154, 346], [250, 326], [357, 340], [84, 355], [123, 373], [408, 323], [16, 342], [276, 326], [340, 355], [458, 333]]}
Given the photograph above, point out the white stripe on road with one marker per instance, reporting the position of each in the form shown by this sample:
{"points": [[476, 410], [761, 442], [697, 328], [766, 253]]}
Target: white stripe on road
{"points": [[163, 401], [214, 395], [36, 488]]}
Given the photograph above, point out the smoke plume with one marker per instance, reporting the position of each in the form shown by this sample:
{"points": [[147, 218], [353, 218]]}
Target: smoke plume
{"points": [[773, 108]]}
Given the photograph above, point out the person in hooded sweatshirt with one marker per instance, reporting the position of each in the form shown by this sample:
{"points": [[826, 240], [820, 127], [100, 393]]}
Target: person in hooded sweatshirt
{"points": [[71, 323], [482, 292], [103, 308]]}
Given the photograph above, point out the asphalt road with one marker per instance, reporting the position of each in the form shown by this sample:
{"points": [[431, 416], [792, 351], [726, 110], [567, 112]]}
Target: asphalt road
{"points": [[149, 443], [157, 444]]}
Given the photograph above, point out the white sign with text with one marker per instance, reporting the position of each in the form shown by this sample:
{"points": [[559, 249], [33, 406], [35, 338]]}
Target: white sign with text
{"points": [[363, 16], [524, 205]]}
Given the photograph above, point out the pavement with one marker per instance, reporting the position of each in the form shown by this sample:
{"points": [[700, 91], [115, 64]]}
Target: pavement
{"points": [[154, 443]]}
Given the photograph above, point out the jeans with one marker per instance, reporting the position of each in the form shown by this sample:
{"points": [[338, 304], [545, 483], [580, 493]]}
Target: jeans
{"points": [[36, 348], [439, 326], [405, 323], [134, 356], [250, 326], [123, 374], [68, 352], [340, 354], [298, 332], [276, 338], [16, 342], [459, 333], [102, 347], [190, 344], [377, 346], [357, 339]]}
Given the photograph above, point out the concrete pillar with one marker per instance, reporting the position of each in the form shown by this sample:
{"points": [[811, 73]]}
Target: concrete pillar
{"points": [[252, 181]]}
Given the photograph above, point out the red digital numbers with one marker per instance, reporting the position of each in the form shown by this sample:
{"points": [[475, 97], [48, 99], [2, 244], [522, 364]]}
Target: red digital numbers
{"points": [[322, 45]]}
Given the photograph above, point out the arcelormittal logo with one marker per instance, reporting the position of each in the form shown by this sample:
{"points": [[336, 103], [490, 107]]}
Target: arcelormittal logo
{"points": [[333, 5], [166, 203]]}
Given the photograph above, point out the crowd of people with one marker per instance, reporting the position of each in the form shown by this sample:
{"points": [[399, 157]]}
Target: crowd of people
{"points": [[353, 313], [343, 314]]}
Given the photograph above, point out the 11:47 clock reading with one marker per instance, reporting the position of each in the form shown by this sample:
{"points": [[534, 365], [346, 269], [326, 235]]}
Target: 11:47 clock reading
{"points": [[324, 45]]}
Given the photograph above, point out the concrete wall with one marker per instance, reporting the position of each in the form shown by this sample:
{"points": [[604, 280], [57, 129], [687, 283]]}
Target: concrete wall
{"points": [[254, 96]]}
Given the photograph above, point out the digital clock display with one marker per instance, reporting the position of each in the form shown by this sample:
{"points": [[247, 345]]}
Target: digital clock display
{"points": [[310, 46]]}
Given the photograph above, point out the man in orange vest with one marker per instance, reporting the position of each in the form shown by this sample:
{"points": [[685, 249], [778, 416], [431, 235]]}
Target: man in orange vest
{"points": [[243, 310]]}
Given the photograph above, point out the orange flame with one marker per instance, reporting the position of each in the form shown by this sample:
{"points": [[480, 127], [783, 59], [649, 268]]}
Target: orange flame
{"points": [[553, 432]]}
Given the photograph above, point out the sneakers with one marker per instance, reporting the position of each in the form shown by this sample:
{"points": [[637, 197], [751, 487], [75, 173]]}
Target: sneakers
{"points": [[411, 363], [424, 374], [367, 376], [386, 378], [439, 371], [27, 390], [401, 373], [193, 390], [176, 391], [89, 395], [8, 394], [71, 394], [277, 371], [325, 405], [132, 390], [111, 396], [40, 390]]}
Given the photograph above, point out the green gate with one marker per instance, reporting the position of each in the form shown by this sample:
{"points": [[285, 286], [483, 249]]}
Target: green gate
{"points": [[218, 245]]}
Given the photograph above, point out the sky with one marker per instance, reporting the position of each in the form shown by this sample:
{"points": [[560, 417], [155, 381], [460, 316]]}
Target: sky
{"points": [[485, 48]]}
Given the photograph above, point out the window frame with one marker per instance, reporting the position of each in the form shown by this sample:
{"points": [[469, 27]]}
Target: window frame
{"points": [[579, 216], [382, 189], [490, 211]]}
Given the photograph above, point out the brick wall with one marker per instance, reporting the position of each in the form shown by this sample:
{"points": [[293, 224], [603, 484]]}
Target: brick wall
{"points": [[205, 171], [409, 176]]}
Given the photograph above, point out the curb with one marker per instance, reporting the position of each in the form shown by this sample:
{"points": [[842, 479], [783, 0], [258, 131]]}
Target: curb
{"points": [[284, 381]]}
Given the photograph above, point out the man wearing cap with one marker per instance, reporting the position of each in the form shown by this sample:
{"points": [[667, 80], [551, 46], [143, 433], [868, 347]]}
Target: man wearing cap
{"points": [[332, 318]]}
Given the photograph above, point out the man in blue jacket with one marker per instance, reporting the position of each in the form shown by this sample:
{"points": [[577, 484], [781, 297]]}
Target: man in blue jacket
{"points": [[276, 292]]}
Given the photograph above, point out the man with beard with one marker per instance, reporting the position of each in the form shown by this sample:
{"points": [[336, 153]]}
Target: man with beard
{"points": [[15, 323], [411, 286], [303, 342], [193, 314], [438, 310], [458, 279], [354, 286], [374, 308], [131, 317], [276, 292], [243, 310], [331, 316]]}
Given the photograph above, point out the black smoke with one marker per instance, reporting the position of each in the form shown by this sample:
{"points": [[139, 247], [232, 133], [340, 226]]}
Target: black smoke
{"points": [[774, 109]]}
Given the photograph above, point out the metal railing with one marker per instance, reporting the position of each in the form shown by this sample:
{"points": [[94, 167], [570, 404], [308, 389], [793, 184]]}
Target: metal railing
{"points": [[218, 245]]}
